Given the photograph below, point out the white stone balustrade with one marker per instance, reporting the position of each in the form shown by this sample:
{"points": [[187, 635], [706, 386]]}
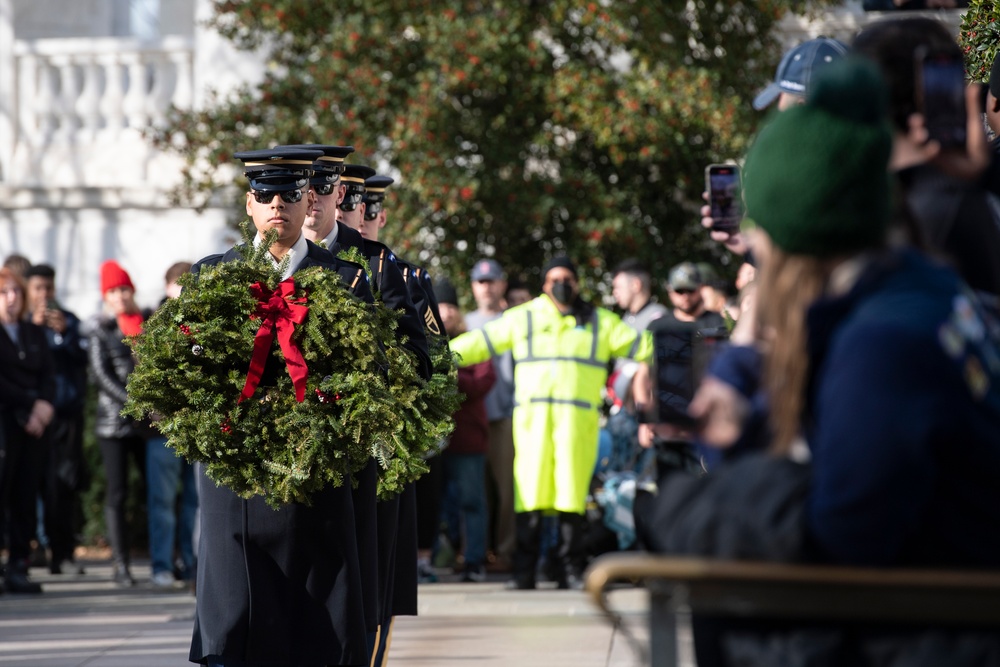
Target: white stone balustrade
{"points": [[81, 106]]}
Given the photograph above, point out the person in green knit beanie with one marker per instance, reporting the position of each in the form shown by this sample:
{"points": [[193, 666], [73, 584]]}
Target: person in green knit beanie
{"points": [[878, 369], [816, 179]]}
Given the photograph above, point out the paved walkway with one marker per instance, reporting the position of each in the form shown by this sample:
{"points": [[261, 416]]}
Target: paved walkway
{"points": [[85, 621]]}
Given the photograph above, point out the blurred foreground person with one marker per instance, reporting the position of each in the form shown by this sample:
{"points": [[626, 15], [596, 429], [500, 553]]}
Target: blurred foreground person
{"points": [[884, 373], [942, 200]]}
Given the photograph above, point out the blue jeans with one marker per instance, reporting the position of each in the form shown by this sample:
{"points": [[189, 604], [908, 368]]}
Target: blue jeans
{"points": [[466, 473], [165, 472]]}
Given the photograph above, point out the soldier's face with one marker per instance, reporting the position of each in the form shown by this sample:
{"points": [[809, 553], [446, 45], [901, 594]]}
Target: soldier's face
{"points": [[370, 229], [355, 220], [323, 212], [286, 218]]}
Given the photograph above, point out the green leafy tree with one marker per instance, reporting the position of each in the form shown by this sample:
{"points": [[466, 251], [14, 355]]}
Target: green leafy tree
{"points": [[516, 130], [980, 38]]}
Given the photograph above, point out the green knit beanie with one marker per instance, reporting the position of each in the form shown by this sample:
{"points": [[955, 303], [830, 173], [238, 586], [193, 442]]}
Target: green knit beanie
{"points": [[816, 179]]}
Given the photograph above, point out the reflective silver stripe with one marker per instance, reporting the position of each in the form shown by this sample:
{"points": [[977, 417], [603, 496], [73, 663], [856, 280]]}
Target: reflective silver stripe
{"points": [[531, 335], [489, 344], [593, 347], [558, 401], [635, 345], [576, 360]]}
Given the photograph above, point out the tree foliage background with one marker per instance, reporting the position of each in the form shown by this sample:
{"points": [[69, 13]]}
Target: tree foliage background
{"points": [[980, 38], [515, 129]]}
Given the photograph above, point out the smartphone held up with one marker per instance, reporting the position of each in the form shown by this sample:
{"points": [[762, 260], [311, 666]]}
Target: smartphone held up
{"points": [[722, 182], [940, 89]]}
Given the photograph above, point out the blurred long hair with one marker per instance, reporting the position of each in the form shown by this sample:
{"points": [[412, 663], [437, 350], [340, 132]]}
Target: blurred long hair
{"points": [[787, 285]]}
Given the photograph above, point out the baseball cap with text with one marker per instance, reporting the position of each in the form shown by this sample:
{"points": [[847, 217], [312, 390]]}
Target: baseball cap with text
{"points": [[797, 68]]}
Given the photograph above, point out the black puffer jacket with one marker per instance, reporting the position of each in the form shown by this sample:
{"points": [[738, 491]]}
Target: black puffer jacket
{"points": [[111, 362]]}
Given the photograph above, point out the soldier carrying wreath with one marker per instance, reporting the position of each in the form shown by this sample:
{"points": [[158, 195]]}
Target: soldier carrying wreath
{"points": [[269, 371]]}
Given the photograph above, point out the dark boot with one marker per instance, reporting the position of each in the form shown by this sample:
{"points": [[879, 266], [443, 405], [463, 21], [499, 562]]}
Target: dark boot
{"points": [[17, 581], [569, 551], [115, 524], [528, 527]]}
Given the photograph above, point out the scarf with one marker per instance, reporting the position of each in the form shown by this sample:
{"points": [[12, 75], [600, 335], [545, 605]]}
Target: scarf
{"points": [[130, 323]]}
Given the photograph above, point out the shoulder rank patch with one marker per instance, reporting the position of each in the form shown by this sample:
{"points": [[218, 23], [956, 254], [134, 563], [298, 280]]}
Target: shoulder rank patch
{"points": [[432, 324]]}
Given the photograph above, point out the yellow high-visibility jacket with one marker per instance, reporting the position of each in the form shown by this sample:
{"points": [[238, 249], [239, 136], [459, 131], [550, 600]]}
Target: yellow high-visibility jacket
{"points": [[559, 370]]}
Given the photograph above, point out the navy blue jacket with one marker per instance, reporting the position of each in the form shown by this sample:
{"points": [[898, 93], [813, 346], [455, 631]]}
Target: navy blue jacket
{"points": [[904, 421], [393, 292], [903, 424]]}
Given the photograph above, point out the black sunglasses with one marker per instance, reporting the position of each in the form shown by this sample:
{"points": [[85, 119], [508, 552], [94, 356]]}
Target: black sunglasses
{"points": [[348, 205], [325, 188], [684, 291], [288, 196]]}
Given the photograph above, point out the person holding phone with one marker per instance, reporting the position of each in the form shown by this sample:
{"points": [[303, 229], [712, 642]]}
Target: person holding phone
{"points": [[791, 82], [882, 372], [945, 207], [64, 470]]}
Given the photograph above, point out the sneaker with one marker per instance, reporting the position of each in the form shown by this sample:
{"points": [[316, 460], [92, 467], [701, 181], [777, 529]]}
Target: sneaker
{"points": [[62, 566], [122, 577], [163, 580], [425, 573], [474, 573]]}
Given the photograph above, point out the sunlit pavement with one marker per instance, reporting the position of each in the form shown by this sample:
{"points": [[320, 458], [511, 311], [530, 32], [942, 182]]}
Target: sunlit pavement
{"points": [[85, 620]]}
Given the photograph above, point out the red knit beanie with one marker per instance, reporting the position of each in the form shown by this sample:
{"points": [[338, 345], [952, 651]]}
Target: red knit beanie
{"points": [[113, 275]]}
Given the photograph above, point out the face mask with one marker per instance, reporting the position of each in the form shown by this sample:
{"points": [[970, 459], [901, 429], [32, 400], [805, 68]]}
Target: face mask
{"points": [[563, 292]]}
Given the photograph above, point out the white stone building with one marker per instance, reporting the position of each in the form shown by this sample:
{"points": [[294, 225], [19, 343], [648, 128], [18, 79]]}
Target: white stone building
{"points": [[79, 82]]}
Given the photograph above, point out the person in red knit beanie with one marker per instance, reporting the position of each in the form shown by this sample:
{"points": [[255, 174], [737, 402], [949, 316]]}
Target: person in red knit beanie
{"points": [[120, 438]]}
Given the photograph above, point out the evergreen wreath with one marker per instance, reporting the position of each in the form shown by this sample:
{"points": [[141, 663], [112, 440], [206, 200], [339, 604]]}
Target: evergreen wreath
{"points": [[424, 408], [192, 365]]}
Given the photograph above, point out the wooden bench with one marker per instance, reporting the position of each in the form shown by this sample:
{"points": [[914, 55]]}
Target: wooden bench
{"points": [[774, 590]]}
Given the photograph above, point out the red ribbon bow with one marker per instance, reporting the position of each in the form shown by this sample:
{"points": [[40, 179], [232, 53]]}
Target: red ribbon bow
{"points": [[277, 310]]}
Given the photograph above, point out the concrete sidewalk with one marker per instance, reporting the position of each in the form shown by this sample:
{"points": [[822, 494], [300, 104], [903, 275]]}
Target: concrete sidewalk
{"points": [[84, 620]]}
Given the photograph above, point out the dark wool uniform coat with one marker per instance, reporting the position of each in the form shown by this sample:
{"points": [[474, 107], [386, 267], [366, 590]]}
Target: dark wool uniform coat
{"points": [[399, 593], [282, 587]]}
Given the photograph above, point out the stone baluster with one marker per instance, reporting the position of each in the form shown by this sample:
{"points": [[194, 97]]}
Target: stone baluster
{"points": [[113, 101], [135, 101], [88, 103], [45, 101], [159, 94], [65, 99], [183, 81], [29, 121]]}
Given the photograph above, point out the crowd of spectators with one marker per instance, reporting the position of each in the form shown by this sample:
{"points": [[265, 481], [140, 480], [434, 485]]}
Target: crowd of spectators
{"points": [[48, 356]]}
